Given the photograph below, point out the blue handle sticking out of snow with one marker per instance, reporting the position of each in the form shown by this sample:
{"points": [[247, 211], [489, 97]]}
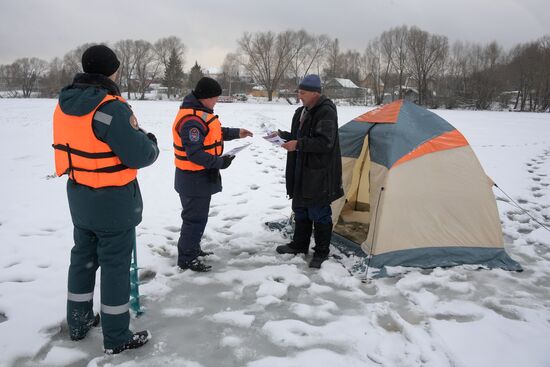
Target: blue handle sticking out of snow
{"points": [[134, 284]]}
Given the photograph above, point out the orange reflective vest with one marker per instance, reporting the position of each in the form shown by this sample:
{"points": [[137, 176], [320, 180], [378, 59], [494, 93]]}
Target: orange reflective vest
{"points": [[86, 159], [213, 142]]}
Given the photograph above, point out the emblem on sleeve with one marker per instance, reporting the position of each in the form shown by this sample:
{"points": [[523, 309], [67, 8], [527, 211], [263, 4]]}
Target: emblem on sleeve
{"points": [[134, 122], [194, 134]]}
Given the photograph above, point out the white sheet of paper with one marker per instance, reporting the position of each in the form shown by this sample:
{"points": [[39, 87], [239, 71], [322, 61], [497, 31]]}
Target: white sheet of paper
{"points": [[236, 150], [276, 139]]}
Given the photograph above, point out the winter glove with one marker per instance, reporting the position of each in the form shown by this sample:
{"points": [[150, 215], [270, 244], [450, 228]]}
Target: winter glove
{"points": [[152, 137], [227, 159]]}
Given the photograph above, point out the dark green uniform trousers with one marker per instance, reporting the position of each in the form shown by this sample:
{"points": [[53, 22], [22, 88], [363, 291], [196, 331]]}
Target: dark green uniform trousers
{"points": [[112, 251]]}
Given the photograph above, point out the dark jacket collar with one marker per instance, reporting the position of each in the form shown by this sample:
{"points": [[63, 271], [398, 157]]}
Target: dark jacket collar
{"points": [[190, 101], [86, 80], [323, 100]]}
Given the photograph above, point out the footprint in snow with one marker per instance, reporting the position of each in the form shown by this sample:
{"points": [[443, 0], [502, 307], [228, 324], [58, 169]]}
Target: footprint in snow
{"points": [[525, 230], [146, 275], [172, 229], [234, 218]]}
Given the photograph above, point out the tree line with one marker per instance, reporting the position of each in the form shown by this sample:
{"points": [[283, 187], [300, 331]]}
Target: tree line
{"points": [[462, 74]]}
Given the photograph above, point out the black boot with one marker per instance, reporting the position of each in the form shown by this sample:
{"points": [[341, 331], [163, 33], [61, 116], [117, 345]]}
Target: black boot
{"points": [[323, 234], [137, 340], [300, 240], [81, 334], [195, 265]]}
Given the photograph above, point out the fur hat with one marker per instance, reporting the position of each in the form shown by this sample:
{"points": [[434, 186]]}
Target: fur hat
{"points": [[100, 59]]}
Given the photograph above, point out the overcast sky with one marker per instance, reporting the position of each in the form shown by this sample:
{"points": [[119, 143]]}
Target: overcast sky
{"points": [[210, 29]]}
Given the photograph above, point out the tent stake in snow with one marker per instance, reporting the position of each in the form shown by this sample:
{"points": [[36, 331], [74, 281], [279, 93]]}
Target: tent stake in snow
{"points": [[134, 284]]}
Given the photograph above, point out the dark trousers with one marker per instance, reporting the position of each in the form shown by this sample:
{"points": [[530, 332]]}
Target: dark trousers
{"points": [[317, 214], [321, 217], [112, 251], [194, 216]]}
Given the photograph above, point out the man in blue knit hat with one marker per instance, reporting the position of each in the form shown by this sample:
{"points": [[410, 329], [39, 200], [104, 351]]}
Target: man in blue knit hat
{"points": [[313, 170]]}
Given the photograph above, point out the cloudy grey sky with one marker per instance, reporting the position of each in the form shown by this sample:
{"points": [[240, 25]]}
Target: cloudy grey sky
{"points": [[210, 29]]}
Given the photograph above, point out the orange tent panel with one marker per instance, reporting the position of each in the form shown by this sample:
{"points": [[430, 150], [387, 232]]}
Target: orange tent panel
{"points": [[383, 115], [448, 140]]}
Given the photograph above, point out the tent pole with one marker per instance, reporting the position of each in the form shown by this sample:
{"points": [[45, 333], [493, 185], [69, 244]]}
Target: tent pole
{"points": [[373, 233]]}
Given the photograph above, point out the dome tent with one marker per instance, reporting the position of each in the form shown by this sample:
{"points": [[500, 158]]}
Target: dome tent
{"points": [[415, 193]]}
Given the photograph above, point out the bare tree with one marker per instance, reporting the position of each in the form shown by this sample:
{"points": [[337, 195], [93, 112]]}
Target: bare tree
{"points": [[311, 54], [545, 75], [427, 52], [126, 55], [54, 79], [26, 72], [8, 80], [397, 39], [483, 76], [377, 69], [333, 60], [164, 48], [230, 68], [269, 55], [147, 66]]}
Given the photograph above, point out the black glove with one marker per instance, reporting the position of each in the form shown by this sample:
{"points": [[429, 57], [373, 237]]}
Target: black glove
{"points": [[227, 159], [152, 137]]}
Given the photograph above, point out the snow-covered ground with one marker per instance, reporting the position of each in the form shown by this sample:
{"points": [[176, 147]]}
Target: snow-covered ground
{"points": [[257, 308]]}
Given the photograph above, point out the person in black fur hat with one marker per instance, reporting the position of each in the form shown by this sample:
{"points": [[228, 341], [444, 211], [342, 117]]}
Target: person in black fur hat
{"points": [[198, 148], [100, 146]]}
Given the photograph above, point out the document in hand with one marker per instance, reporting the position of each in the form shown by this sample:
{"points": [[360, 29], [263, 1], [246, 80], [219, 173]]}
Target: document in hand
{"points": [[236, 150], [272, 137]]}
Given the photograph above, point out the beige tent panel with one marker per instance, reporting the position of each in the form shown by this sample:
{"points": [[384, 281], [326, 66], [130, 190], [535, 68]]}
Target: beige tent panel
{"points": [[437, 200], [356, 188], [350, 213]]}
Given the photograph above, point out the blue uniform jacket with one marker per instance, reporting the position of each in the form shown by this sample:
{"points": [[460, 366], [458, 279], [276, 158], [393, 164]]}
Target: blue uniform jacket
{"points": [[208, 181]]}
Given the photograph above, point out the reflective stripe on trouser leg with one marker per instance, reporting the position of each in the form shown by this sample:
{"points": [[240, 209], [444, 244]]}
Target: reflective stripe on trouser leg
{"points": [[81, 282], [115, 253]]}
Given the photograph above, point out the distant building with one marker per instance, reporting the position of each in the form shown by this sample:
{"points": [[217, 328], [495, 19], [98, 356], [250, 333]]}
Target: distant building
{"points": [[343, 89], [213, 72]]}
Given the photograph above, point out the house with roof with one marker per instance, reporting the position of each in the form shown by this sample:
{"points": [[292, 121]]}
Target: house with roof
{"points": [[343, 88]]}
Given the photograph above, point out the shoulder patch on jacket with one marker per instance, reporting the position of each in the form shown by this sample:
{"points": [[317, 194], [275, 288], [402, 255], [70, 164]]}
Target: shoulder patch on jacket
{"points": [[194, 134], [103, 118], [134, 122]]}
